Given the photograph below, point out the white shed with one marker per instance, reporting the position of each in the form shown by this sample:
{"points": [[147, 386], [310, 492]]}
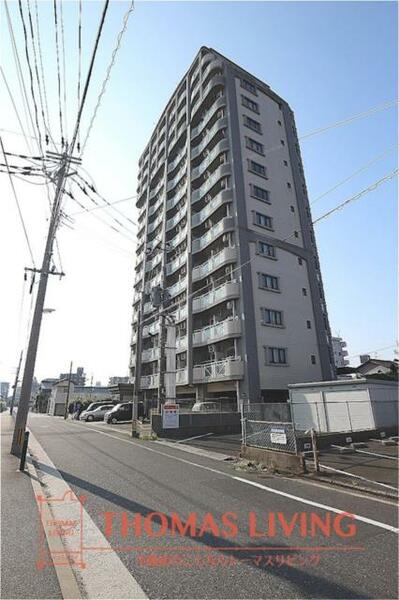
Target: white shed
{"points": [[344, 405]]}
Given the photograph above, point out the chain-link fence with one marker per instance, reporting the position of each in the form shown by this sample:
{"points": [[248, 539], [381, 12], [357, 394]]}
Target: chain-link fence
{"points": [[269, 426]]}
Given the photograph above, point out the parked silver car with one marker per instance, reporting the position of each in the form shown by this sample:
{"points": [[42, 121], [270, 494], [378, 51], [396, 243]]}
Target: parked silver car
{"points": [[97, 414]]}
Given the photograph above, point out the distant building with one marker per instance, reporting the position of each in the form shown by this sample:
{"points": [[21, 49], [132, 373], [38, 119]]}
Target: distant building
{"points": [[78, 378], [77, 393], [4, 388], [116, 380], [374, 366], [339, 351]]}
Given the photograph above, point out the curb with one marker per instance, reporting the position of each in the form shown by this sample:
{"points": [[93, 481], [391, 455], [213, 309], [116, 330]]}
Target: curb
{"points": [[360, 488]]}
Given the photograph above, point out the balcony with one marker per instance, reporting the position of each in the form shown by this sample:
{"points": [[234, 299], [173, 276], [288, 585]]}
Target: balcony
{"points": [[222, 370], [220, 147], [155, 190], [218, 200], [176, 161], [177, 288], [180, 314], [148, 382], [151, 329], [217, 79], [181, 343], [217, 260], [151, 264], [150, 355], [220, 294], [152, 226], [214, 333], [153, 209], [147, 308], [181, 376], [176, 219], [220, 172], [174, 242], [152, 283], [219, 103], [224, 225], [175, 264], [220, 124], [179, 194], [182, 171], [133, 339], [215, 63]]}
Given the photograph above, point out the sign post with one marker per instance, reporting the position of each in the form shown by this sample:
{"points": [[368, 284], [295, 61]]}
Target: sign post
{"points": [[170, 416]]}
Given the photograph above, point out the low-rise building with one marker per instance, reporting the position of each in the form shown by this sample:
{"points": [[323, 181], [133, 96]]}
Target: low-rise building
{"points": [[339, 351]]}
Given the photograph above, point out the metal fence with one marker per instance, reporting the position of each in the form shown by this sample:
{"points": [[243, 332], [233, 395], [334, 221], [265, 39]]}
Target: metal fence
{"points": [[269, 426]]}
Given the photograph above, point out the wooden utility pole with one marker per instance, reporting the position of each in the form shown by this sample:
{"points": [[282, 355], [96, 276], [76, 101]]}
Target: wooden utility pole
{"points": [[15, 384], [68, 392]]}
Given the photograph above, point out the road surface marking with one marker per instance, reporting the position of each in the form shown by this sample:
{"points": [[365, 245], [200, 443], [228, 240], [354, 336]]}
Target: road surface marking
{"points": [[258, 485], [195, 450], [195, 437], [105, 575], [66, 578], [367, 452], [359, 477]]}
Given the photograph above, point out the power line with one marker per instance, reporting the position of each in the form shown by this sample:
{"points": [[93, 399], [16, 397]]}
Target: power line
{"points": [[18, 206], [58, 71], [108, 72], [372, 351], [104, 206], [363, 168], [41, 61], [15, 109], [372, 187], [63, 69], [361, 115], [79, 61]]}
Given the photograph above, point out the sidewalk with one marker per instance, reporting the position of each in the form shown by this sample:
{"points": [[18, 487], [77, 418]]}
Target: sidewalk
{"points": [[20, 530]]}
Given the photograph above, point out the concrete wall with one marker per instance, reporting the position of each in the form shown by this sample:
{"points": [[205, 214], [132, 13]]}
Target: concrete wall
{"points": [[197, 424]]}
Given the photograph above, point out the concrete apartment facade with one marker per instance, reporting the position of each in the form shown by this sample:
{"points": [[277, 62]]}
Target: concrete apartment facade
{"points": [[339, 352], [225, 227]]}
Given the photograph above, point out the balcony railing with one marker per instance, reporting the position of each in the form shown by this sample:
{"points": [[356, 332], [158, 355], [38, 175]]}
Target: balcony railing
{"points": [[212, 234], [208, 115], [151, 329], [181, 376], [178, 287], [220, 294], [221, 171], [176, 219], [212, 333], [152, 283], [176, 161], [175, 264], [181, 343], [180, 314], [149, 381], [153, 209], [150, 355], [217, 79], [217, 260], [155, 190], [220, 123], [220, 147], [218, 200], [171, 184], [178, 238], [222, 370], [151, 264], [152, 226], [177, 197]]}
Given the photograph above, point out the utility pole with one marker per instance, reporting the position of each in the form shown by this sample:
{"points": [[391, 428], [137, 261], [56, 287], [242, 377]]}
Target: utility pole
{"points": [[23, 407], [66, 159], [15, 384], [68, 391]]}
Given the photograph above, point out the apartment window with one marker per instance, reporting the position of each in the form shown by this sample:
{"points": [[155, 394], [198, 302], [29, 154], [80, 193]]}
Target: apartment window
{"points": [[276, 356], [250, 87], [260, 193], [296, 234], [313, 359], [292, 208], [252, 124], [282, 142], [308, 324], [257, 168], [266, 249], [299, 260], [285, 163], [304, 292], [288, 185], [263, 220], [279, 123], [254, 145], [271, 317], [248, 103], [268, 282]]}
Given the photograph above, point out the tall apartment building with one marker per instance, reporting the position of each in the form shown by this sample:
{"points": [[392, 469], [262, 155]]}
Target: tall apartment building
{"points": [[225, 227]]}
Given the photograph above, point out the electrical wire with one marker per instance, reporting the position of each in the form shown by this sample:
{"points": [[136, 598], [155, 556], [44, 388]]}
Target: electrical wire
{"points": [[41, 61], [108, 72], [58, 72], [79, 62], [64, 70], [363, 168], [15, 109], [18, 206]]}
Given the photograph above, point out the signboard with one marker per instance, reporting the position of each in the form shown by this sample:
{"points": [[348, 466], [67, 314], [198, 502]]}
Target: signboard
{"points": [[278, 436], [170, 416]]}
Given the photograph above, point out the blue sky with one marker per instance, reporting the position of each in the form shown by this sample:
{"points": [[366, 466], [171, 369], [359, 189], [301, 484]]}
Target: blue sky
{"points": [[329, 60]]}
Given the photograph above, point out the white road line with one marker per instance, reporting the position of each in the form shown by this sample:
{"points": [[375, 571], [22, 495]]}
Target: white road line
{"points": [[195, 437], [105, 576], [359, 477], [258, 485], [367, 452]]}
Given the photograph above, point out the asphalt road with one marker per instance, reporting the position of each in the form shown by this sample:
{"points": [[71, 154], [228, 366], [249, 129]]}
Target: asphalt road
{"points": [[131, 477]]}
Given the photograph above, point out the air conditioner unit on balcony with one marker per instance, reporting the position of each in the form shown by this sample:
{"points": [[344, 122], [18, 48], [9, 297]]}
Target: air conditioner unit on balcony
{"points": [[229, 305]]}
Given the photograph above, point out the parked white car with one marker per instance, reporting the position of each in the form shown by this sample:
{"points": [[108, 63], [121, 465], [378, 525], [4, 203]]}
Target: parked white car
{"points": [[205, 407], [97, 414]]}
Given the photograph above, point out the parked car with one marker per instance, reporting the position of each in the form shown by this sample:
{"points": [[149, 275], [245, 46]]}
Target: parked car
{"points": [[95, 405], [120, 412], [205, 407], [97, 414]]}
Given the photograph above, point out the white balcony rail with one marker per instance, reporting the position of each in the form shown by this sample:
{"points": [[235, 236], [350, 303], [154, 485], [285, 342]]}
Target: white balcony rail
{"points": [[175, 264], [181, 376], [178, 287], [211, 234], [230, 368], [228, 327], [220, 123], [151, 329], [149, 381], [221, 171], [176, 161], [220, 147], [181, 343], [177, 239], [177, 197], [176, 219], [223, 292], [207, 116], [222, 257], [150, 354]]}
